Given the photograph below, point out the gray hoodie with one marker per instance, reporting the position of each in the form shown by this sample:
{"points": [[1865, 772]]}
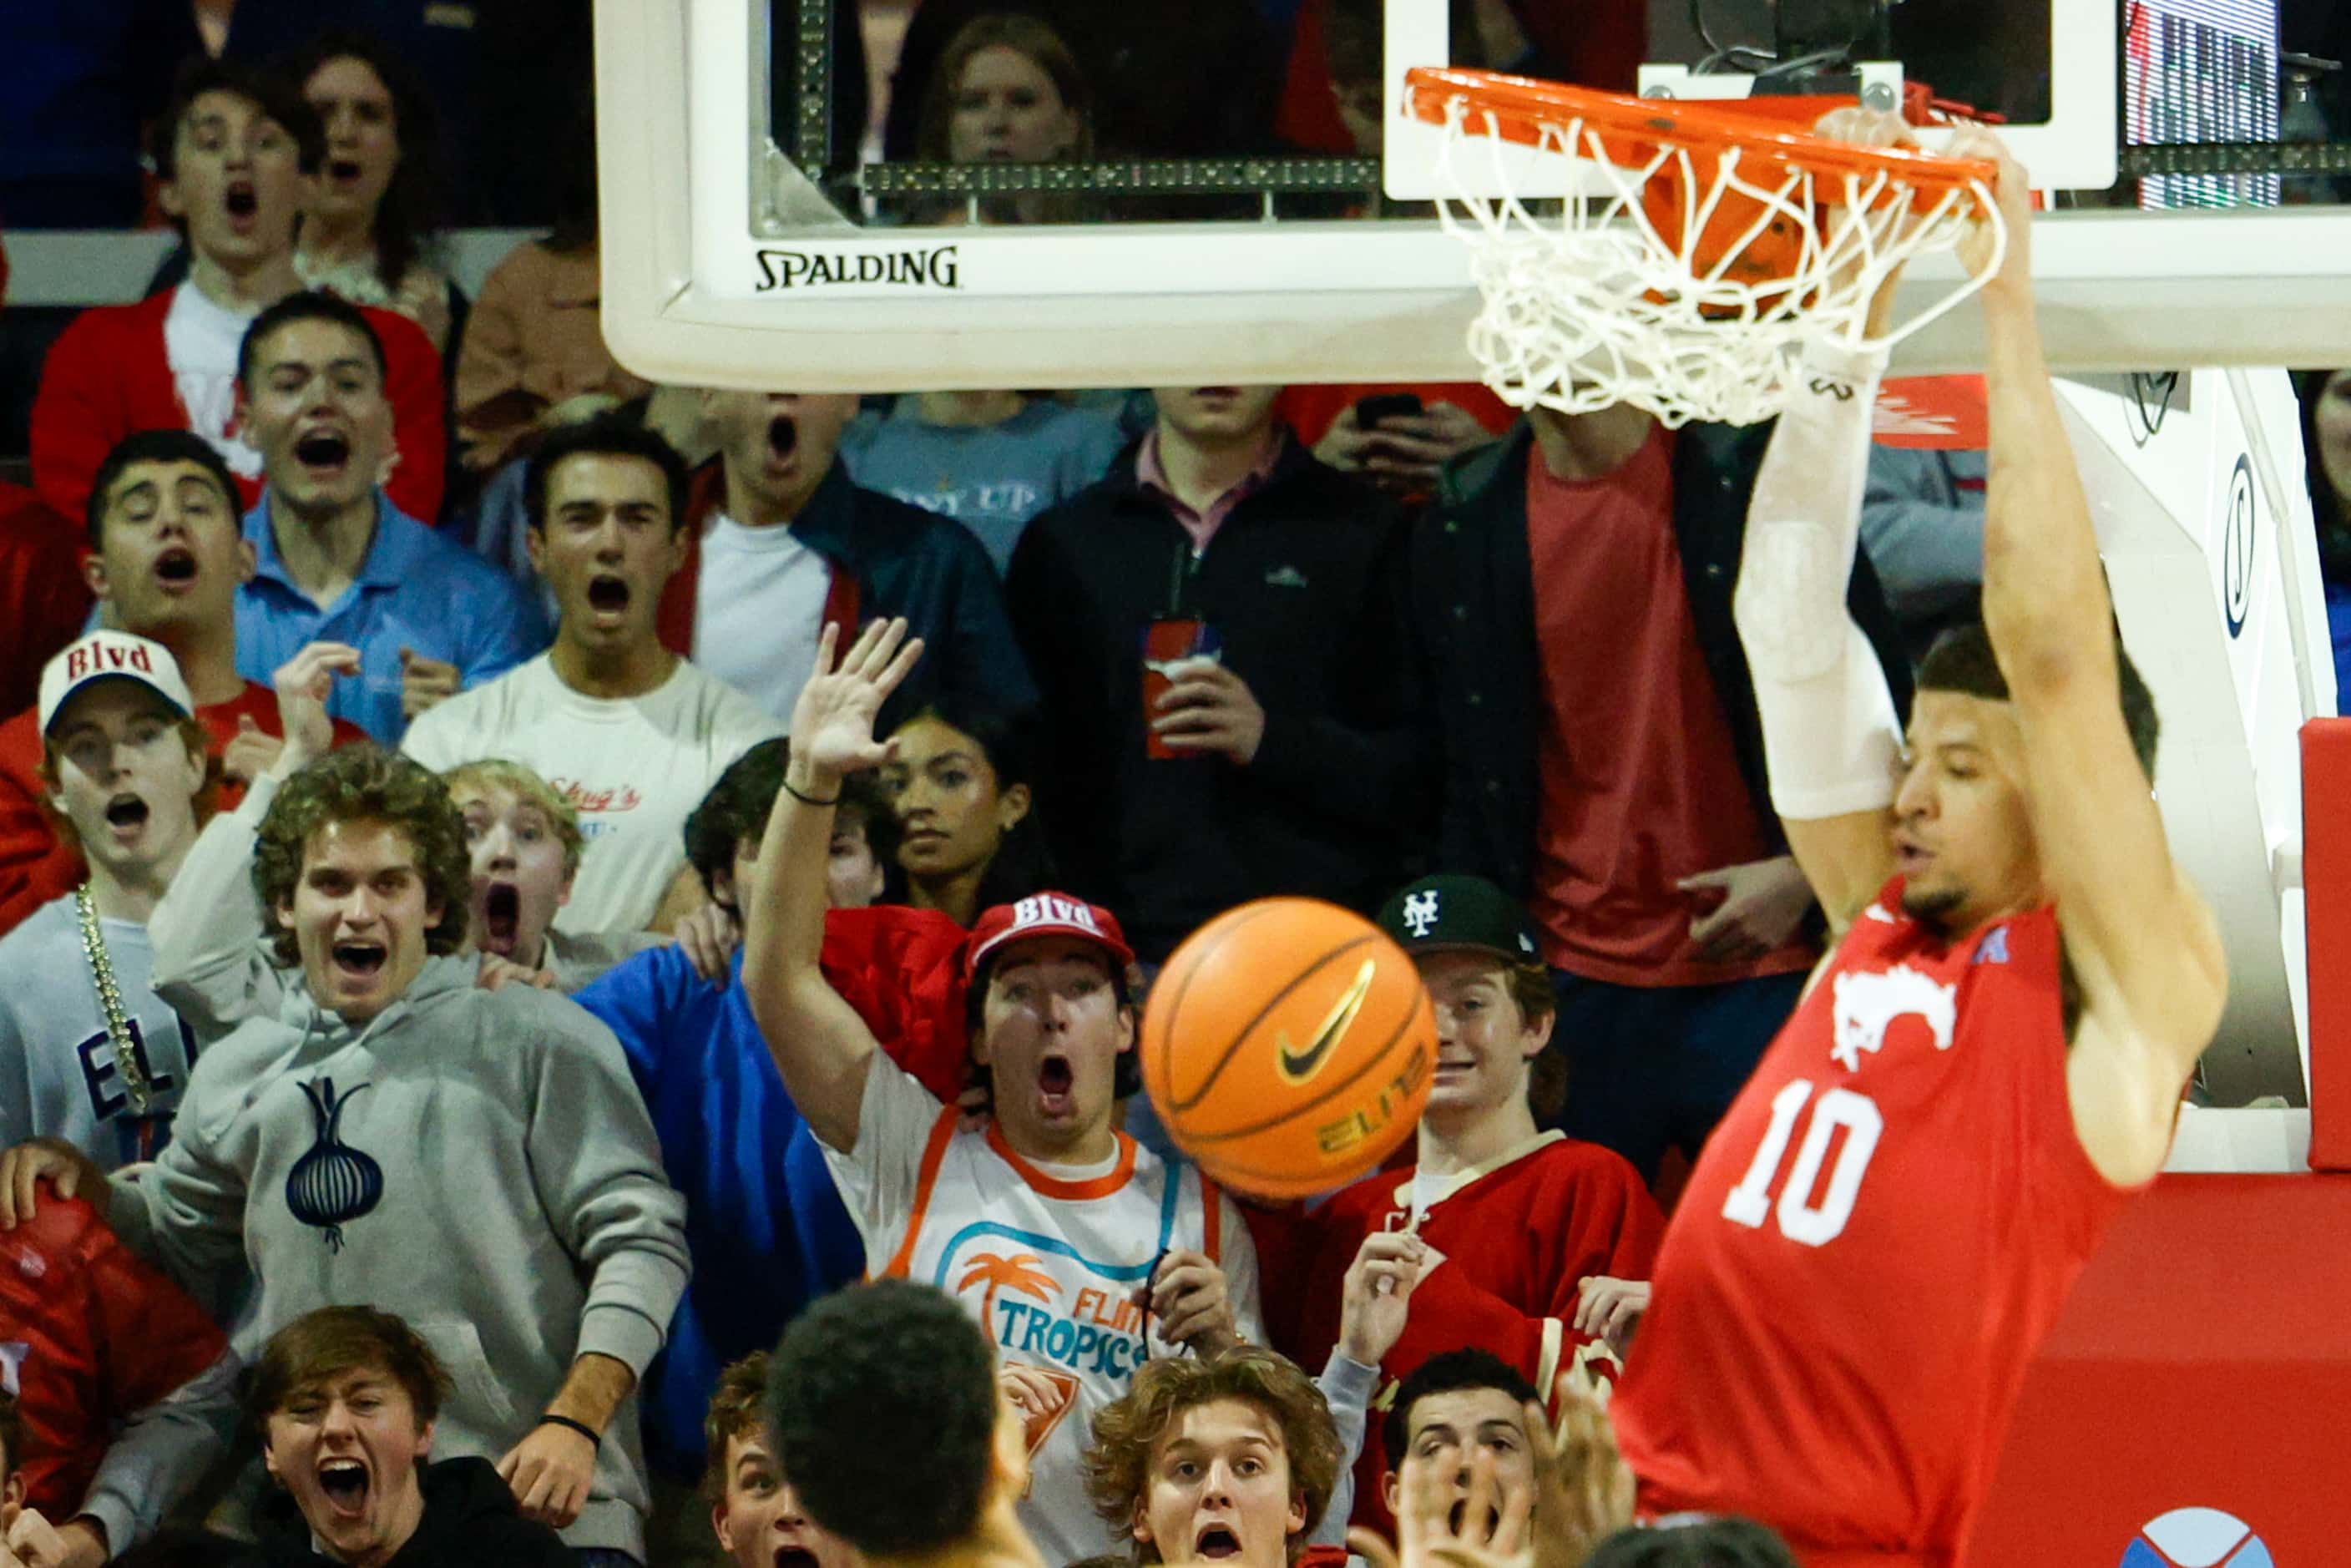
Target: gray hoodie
{"points": [[478, 1162]]}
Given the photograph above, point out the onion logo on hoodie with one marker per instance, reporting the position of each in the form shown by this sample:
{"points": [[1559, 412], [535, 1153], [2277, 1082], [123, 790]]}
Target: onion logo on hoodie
{"points": [[333, 1183]]}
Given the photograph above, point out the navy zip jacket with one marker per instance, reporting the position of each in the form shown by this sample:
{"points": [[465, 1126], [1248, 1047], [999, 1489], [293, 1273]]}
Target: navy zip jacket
{"points": [[1303, 583], [1473, 610]]}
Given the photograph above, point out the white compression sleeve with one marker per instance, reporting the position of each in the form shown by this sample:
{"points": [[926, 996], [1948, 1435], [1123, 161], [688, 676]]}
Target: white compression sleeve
{"points": [[1830, 736]]}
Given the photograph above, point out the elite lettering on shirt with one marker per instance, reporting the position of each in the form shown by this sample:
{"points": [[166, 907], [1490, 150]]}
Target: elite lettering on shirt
{"points": [[101, 1073]]}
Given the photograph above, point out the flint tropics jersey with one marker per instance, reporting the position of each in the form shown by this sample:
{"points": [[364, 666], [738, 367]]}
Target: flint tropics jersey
{"points": [[1046, 1258]]}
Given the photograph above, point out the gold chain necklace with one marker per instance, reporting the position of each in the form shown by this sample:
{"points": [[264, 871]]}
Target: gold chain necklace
{"points": [[109, 1002]]}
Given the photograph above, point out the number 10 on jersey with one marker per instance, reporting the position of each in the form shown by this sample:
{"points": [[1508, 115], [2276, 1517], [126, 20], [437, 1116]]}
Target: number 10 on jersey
{"points": [[1800, 1218]]}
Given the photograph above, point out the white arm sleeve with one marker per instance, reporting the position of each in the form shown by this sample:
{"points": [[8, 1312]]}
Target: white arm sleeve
{"points": [[1830, 736]]}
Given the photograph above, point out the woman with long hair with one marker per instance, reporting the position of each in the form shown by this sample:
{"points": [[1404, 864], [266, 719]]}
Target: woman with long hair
{"points": [[960, 781], [1009, 90], [366, 234]]}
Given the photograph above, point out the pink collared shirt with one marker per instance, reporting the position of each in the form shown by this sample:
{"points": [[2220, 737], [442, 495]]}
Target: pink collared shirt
{"points": [[1203, 525]]}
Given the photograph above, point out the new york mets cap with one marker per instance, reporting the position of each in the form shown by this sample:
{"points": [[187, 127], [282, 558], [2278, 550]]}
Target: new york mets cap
{"points": [[1440, 913]]}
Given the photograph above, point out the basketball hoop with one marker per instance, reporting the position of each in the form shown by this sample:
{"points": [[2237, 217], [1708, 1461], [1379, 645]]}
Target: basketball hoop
{"points": [[1708, 245]]}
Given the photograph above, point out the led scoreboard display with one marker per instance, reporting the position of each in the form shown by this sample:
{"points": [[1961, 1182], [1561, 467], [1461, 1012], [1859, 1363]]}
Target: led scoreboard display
{"points": [[2201, 70]]}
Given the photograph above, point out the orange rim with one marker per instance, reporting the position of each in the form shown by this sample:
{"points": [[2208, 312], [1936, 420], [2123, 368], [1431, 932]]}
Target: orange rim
{"points": [[1521, 108]]}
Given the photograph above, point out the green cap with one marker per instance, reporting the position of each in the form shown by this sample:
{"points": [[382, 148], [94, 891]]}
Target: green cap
{"points": [[1438, 912]]}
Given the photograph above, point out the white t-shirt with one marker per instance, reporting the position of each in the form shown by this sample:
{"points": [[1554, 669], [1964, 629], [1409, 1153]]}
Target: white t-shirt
{"points": [[759, 607], [634, 766], [1046, 1258], [200, 340]]}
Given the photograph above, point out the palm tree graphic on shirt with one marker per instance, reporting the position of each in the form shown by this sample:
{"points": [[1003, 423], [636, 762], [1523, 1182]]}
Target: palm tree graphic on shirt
{"points": [[1023, 1273]]}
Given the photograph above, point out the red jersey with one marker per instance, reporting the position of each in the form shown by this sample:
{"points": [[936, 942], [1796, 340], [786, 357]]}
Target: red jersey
{"points": [[88, 1335], [1518, 1235], [1874, 1243], [35, 865]]}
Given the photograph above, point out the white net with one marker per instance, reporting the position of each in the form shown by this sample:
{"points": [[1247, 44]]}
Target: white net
{"points": [[1686, 282]]}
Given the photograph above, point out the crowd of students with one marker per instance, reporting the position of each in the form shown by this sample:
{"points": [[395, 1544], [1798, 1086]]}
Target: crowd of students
{"points": [[499, 936]]}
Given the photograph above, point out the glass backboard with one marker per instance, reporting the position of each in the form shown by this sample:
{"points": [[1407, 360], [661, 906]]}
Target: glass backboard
{"points": [[795, 193]]}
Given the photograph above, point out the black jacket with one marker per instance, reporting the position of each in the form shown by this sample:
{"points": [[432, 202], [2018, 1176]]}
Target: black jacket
{"points": [[1305, 584], [1473, 608], [470, 1521]]}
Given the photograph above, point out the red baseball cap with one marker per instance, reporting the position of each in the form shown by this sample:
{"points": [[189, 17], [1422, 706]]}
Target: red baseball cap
{"points": [[1045, 914]]}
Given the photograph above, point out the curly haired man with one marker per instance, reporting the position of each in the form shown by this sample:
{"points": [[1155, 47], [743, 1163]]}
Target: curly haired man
{"points": [[1232, 1456], [383, 1112]]}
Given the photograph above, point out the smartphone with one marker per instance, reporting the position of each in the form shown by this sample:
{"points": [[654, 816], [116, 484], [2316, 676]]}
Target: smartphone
{"points": [[1370, 411]]}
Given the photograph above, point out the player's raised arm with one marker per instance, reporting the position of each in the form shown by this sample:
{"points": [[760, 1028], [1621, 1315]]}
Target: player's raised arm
{"points": [[2140, 937], [1831, 740], [822, 1047]]}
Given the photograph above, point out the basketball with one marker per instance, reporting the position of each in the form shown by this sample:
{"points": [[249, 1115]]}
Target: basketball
{"points": [[1287, 1047], [1728, 236]]}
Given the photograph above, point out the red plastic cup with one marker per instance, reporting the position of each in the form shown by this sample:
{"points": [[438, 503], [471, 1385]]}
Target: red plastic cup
{"points": [[1171, 649]]}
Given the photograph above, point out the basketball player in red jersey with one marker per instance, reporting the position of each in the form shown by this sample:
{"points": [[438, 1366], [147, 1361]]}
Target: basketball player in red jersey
{"points": [[1990, 1062]]}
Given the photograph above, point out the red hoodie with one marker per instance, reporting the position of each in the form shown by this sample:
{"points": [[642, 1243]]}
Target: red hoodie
{"points": [[108, 376]]}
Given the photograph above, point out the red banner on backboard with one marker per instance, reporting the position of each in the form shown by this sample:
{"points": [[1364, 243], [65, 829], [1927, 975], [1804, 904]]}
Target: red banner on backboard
{"points": [[1932, 411]]}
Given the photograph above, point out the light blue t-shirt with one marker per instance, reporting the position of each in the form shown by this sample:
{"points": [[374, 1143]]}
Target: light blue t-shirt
{"points": [[415, 589], [991, 478]]}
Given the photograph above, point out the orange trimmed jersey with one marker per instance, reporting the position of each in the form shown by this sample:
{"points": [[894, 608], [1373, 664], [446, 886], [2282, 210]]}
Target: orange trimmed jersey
{"points": [[1050, 1259], [1872, 1246]]}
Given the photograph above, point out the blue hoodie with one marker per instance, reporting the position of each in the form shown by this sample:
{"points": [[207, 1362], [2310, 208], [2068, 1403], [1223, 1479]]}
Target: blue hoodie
{"points": [[761, 1210]]}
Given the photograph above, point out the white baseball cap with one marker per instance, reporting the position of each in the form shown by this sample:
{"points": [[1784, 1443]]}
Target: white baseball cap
{"points": [[111, 656]]}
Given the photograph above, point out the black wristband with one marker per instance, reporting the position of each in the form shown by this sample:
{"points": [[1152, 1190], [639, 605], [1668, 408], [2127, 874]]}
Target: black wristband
{"points": [[581, 1427], [808, 799]]}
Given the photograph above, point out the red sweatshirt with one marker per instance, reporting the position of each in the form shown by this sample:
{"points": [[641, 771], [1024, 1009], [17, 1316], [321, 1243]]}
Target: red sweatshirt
{"points": [[35, 867], [95, 1335], [43, 600], [108, 376], [1517, 1238]]}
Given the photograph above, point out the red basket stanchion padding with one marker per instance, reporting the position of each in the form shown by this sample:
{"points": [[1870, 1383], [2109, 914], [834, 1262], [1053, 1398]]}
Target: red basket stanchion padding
{"points": [[2326, 934]]}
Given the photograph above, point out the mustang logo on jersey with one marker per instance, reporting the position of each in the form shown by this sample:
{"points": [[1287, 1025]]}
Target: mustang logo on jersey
{"points": [[1867, 1005]]}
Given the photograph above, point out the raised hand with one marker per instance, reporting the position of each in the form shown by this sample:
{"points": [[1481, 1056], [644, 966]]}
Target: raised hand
{"points": [[1610, 1310], [832, 722], [1863, 128], [1583, 1489], [426, 684], [1487, 1530], [1189, 1298], [1375, 1298], [303, 684], [2008, 256]]}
